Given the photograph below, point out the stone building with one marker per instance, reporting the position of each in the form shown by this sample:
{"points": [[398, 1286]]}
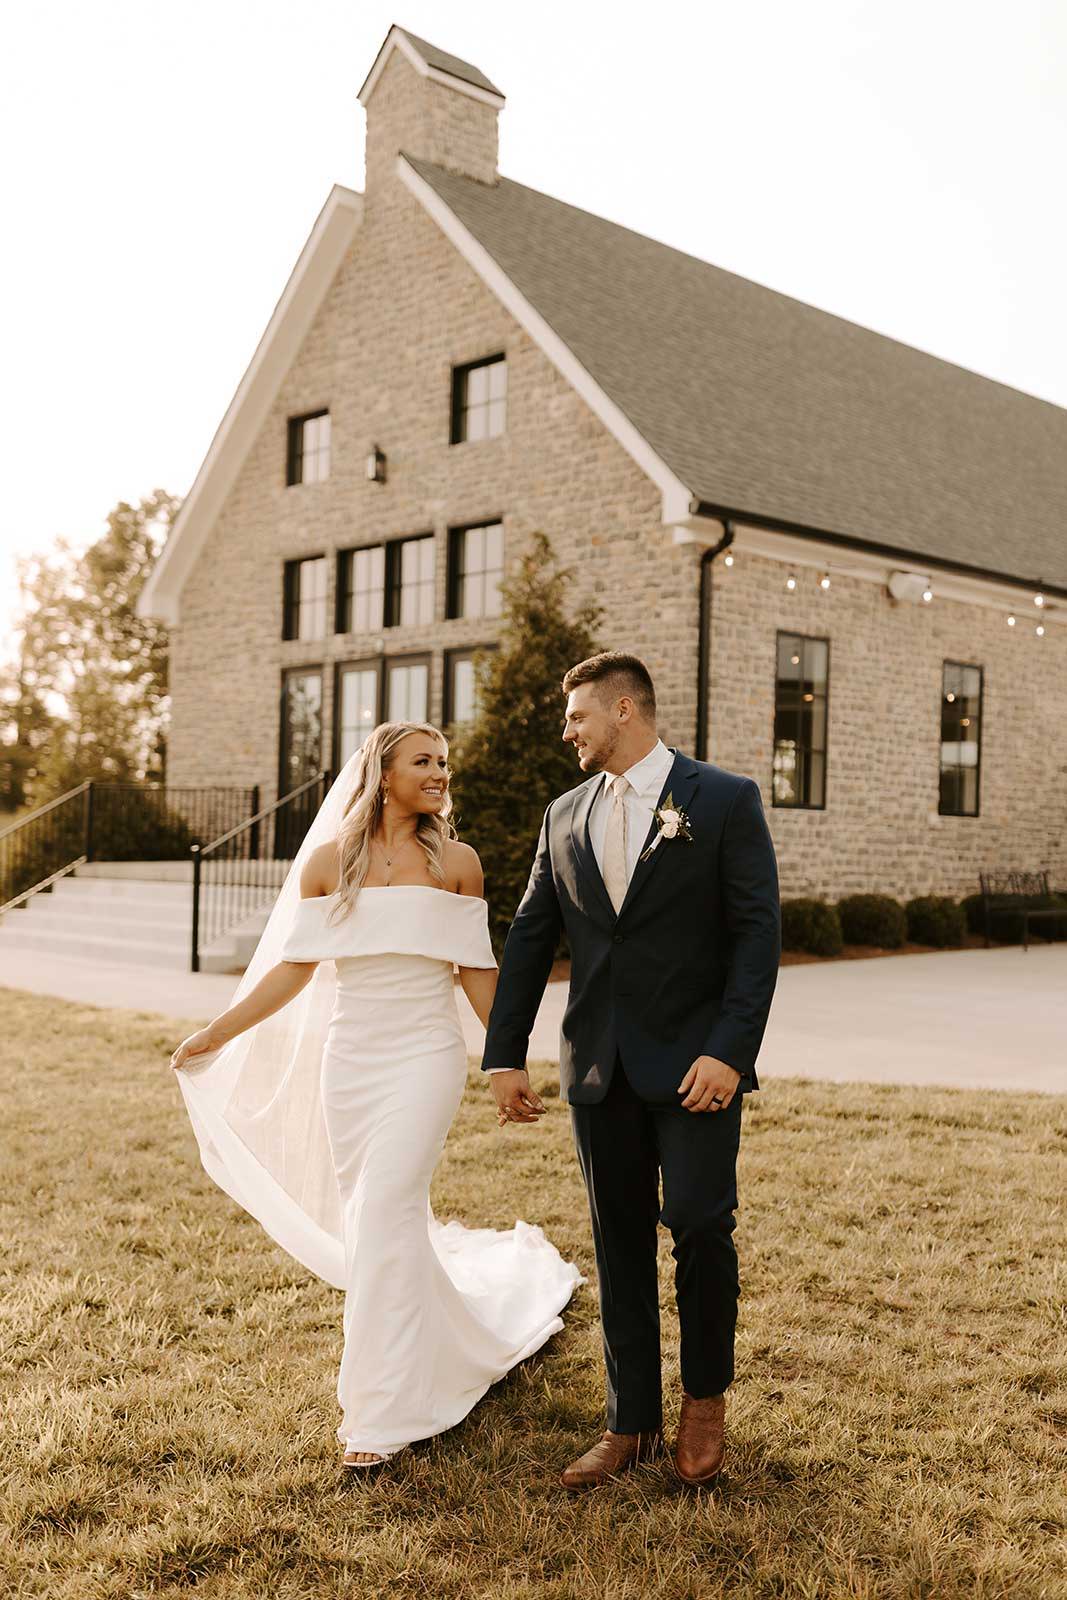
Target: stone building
{"points": [[844, 560]]}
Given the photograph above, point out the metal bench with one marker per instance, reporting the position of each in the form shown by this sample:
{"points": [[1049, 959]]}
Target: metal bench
{"points": [[1011, 892]]}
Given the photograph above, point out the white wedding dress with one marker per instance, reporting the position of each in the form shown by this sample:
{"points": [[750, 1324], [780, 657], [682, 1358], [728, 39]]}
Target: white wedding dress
{"points": [[335, 1158]]}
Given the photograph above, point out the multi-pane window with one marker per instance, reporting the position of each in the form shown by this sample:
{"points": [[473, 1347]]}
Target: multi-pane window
{"points": [[361, 590], [304, 599], [356, 703], [407, 689], [475, 568], [409, 581], [800, 700], [961, 722], [479, 399], [308, 455], [301, 728], [461, 686]]}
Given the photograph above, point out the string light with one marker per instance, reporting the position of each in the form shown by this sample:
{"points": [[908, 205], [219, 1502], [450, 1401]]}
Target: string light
{"points": [[791, 582]]}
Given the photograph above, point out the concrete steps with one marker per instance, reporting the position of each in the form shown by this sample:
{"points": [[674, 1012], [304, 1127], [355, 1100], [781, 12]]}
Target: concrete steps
{"points": [[127, 914]]}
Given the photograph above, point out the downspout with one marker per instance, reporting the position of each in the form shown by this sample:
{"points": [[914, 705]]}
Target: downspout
{"points": [[704, 637]]}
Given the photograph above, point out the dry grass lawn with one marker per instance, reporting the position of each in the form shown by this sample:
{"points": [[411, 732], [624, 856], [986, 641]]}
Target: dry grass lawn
{"points": [[897, 1428]]}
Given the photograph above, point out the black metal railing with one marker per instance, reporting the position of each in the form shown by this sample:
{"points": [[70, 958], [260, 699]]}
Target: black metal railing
{"points": [[113, 822], [39, 848], [238, 874]]}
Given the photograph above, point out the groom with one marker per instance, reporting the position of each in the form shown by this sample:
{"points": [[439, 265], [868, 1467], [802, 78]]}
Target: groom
{"points": [[662, 873]]}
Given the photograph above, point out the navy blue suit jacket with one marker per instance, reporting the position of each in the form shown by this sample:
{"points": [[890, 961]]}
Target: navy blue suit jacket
{"points": [[687, 967]]}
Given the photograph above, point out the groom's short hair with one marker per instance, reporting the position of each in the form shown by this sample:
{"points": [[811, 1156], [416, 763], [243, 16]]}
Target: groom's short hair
{"points": [[620, 673]]}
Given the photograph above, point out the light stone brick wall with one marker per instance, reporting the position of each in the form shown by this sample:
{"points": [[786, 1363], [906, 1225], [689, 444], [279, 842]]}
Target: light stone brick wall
{"points": [[881, 829], [402, 310]]}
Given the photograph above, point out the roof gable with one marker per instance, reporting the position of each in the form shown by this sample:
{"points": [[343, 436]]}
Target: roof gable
{"points": [[762, 404]]}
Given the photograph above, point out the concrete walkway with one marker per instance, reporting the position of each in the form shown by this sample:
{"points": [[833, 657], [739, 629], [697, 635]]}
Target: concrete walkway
{"points": [[968, 1019]]}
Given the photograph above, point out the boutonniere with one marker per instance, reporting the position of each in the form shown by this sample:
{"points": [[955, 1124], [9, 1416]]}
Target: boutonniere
{"points": [[672, 824]]}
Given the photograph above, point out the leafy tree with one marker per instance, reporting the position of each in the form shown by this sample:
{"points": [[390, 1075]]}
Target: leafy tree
{"points": [[87, 695], [510, 762]]}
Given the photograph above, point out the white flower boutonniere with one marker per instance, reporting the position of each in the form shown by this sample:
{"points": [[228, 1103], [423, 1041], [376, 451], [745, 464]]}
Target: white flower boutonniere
{"points": [[672, 824]]}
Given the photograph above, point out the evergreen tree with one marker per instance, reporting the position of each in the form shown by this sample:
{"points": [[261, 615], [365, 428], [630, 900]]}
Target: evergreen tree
{"points": [[511, 761]]}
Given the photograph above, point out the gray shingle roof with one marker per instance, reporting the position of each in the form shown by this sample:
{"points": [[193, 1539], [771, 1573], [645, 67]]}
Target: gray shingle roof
{"points": [[446, 63], [760, 403]]}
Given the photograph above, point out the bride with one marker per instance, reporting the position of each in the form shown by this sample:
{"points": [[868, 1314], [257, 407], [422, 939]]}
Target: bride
{"points": [[322, 1097]]}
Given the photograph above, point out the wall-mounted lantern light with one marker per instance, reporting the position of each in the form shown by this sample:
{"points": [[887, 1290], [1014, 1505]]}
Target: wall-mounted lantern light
{"points": [[375, 465]]}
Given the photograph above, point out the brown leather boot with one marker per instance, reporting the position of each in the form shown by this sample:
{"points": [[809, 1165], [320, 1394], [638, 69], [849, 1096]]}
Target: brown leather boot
{"points": [[701, 1439], [609, 1456]]}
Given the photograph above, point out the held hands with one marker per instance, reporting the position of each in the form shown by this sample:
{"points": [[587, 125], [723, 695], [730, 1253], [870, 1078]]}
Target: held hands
{"points": [[515, 1100], [709, 1085], [198, 1044]]}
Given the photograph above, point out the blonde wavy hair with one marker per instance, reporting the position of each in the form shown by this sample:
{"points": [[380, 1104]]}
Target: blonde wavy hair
{"points": [[363, 813]]}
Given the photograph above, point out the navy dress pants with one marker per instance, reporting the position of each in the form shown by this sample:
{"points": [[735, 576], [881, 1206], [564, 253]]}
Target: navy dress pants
{"points": [[624, 1144]]}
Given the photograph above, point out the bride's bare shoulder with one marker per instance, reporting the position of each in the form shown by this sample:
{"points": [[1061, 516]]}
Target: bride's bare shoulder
{"points": [[322, 870], [462, 868]]}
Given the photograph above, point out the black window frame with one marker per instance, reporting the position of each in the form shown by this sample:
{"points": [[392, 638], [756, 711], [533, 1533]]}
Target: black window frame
{"points": [[291, 598], [294, 448], [345, 567], [969, 666], [454, 585], [801, 805], [406, 658], [359, 664], [308, 670], [393, 585], [459, 407], [460, 653]]}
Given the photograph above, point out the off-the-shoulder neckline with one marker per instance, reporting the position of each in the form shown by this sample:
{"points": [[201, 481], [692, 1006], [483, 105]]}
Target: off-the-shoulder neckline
{"points": [[394, 888]]}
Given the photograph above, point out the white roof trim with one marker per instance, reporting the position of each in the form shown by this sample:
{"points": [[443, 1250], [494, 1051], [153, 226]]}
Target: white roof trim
{"points": [[676, 497], [315, 269], [397, 39]]}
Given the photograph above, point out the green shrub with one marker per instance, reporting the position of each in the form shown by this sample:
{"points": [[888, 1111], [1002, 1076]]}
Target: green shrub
{"points": [[811, 925], [140, 828], [874, 919], [936, 919], [971, 906]]}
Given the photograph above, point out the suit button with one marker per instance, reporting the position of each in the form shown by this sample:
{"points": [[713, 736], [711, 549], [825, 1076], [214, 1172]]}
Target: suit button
{"points": [[618, 938]]}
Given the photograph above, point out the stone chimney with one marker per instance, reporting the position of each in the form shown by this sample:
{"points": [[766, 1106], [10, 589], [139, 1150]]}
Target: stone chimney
{"points": [[431, 105]]}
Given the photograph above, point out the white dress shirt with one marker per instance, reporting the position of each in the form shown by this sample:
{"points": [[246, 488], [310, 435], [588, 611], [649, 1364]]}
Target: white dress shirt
{"points": [[646, 779]]}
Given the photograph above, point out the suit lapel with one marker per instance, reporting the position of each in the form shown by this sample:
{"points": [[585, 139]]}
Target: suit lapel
{"points": [[583, 847], [680, 783]]}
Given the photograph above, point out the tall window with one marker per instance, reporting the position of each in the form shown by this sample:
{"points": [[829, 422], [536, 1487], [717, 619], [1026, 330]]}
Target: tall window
{"points": [[308, 455], [361, 589], [479, 399], [961, 723], [304, 599], [461, 686], [800, 700], [356, 707], [407, 689], [301, 728], [475, 568], [409, 581]]}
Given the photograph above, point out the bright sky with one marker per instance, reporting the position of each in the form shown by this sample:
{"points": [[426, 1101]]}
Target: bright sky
{"points": [[898, 162]]}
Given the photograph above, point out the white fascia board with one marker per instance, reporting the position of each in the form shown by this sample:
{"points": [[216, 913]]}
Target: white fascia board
{"points": [[315, 269], [677, 499], [397, 39], [840, 560]]}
